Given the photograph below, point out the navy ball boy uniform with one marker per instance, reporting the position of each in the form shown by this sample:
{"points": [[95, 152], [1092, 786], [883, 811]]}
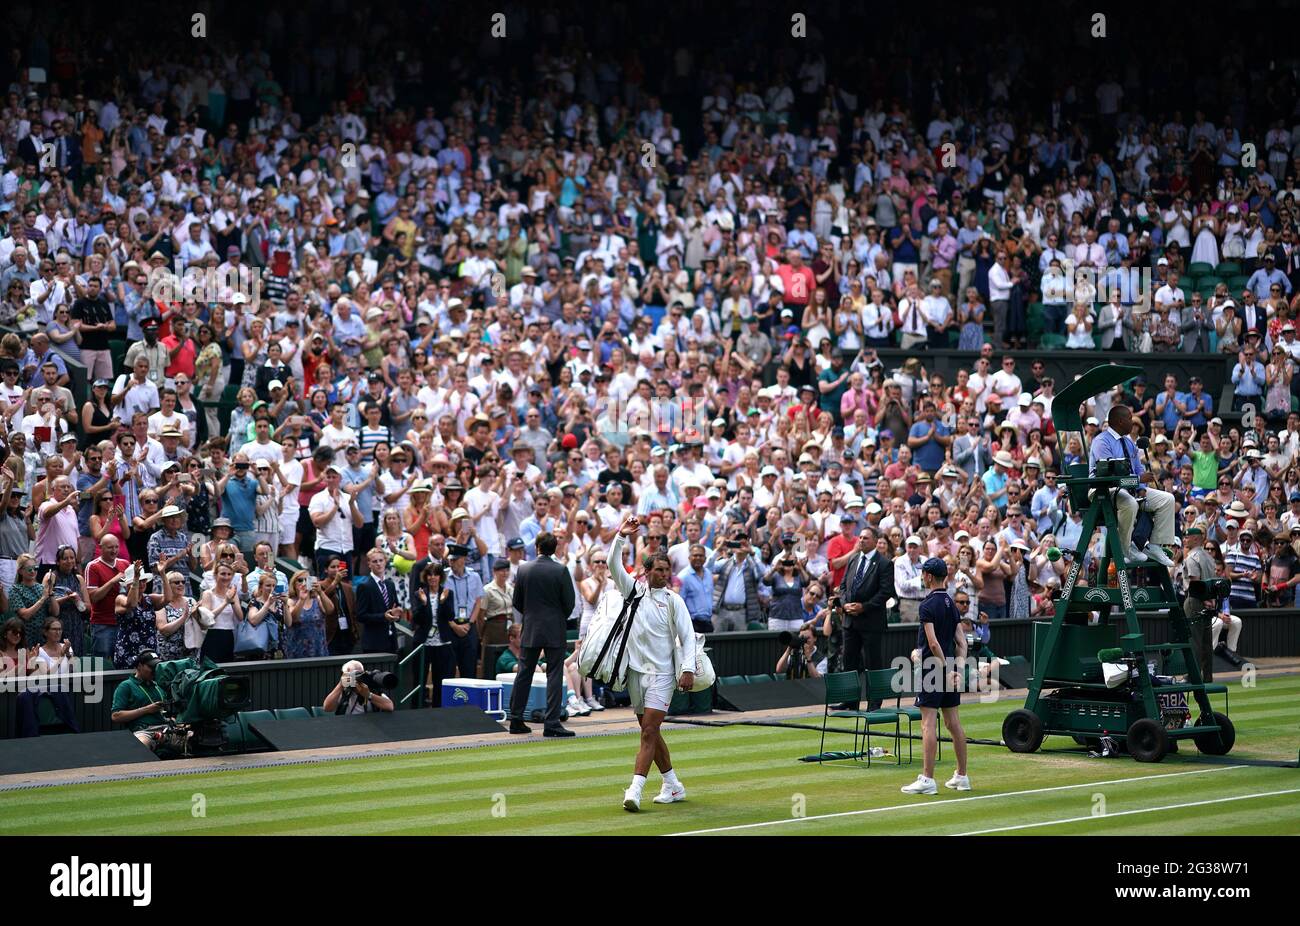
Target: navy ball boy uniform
{"points": [[938, 609]]}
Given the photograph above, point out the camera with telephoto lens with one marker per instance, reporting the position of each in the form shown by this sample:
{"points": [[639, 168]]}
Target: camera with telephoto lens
{"points": [[797, 666], [376, 681]]}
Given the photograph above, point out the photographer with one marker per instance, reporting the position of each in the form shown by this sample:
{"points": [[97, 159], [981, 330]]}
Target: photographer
{"points": [[353, 694], [788, 578], [801, 658], [737, 572]]}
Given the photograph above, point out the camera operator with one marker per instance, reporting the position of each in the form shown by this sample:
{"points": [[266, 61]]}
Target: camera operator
{"points": [[801, 658], [138, 701], [353, 694]]}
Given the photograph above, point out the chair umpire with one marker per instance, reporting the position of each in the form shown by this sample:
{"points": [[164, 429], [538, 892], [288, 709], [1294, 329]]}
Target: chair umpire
{"points": [[545, 596]]}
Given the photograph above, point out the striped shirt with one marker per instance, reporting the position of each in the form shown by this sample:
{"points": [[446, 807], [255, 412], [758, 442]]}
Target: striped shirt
{"points": [[372, 436], [1239, 560]]}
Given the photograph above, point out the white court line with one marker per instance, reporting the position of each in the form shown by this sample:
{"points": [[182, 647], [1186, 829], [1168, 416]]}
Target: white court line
{"points": [[958, 800], [1125, 813]]}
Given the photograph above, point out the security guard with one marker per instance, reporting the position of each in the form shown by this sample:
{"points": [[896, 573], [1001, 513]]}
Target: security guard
{"points": [[942, 644], [1198, 564]]}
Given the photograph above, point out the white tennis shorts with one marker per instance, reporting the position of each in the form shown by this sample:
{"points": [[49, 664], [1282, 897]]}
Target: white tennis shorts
{"points": [[652, 690]]}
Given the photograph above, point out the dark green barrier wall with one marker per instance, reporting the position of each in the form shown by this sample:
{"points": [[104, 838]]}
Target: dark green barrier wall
{"points": [[274, 684], [1265, 633]]}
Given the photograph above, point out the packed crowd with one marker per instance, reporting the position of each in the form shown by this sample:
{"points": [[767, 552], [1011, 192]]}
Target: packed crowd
{"points": [[441, 330]]}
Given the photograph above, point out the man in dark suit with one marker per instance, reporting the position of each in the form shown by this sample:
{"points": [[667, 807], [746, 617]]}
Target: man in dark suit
{"points": [[868, 583], [544, 595], [377, 608]]}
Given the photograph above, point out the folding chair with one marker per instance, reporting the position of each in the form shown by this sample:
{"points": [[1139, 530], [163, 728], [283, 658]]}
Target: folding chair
{"points": [[847, 686], [880, 687]]}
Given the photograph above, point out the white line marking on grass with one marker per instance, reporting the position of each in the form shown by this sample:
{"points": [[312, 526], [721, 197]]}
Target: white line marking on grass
{"points": [[958, 800], [1125, 813]]}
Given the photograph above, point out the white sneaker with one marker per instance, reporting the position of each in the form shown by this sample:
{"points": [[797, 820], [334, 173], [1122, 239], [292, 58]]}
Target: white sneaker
{"points": [[593, 704], [631, 800], [577, 708], [1134, 555], [668, 794], [922, 785], [1156, 553], [958, 782]]}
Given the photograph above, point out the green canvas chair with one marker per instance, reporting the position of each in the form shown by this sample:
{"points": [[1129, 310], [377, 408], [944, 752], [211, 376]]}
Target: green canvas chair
{"points": [[847, 686], [880, 687]]}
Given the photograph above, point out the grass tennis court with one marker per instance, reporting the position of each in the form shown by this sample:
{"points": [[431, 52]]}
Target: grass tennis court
{"points": [[736, 777]]}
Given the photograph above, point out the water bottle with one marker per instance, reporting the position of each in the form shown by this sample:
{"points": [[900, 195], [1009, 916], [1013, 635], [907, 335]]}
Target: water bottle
{"points": [[877, 752]]}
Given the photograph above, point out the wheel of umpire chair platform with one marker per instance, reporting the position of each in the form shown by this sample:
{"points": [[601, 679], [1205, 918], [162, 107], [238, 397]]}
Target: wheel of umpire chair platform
{"points": [[1218, 743], [1147, 740], [1022, 731]]}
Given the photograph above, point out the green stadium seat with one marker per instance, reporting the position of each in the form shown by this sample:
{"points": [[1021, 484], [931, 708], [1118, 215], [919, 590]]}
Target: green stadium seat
{"points": [[1199, 269], [1207, 283], [1227, 268], [246, 720], [1034, 321], [117, 354], [47, 720], [701, 701], [733, 680], [1237, 284], [753, 679], [318, 710], [292, 713], [1052, 341]]}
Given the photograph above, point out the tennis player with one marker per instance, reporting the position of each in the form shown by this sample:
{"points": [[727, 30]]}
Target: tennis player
{"points": [[661, 620]]}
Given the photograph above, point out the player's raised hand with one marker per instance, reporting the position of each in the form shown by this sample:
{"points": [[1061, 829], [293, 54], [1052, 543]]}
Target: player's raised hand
{"points": [[631, 524]]}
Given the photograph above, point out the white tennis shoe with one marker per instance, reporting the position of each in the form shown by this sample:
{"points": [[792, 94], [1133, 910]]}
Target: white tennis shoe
{"points": [[958, 782], [669, 795], [922, 785], [631, 800]]}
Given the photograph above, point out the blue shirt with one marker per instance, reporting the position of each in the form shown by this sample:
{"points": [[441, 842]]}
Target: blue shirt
{"points": [[929, 456], [1261, 280], [1249, 381], [697, 592], [467, 589], [238, 501], [1108, 445], [995, 482], [1168, 411], [366, 497]]}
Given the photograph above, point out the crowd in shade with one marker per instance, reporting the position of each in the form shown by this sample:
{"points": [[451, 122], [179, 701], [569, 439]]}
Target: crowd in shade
{"points": [[335, 310]]}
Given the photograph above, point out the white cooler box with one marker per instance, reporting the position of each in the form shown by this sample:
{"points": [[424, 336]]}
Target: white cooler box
{"points": [[536, 694], [483, 693]]}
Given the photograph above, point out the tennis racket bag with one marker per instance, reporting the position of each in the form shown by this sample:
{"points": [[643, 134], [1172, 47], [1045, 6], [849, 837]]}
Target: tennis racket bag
{"points": [[604, 651]]}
